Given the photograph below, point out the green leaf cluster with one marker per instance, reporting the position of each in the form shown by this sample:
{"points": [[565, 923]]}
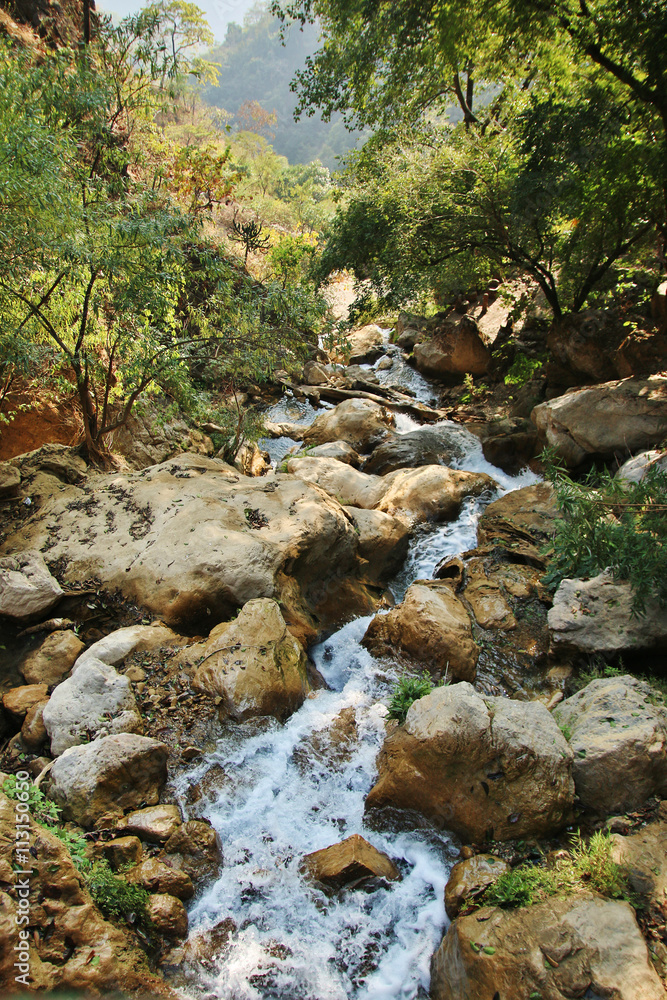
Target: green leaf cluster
{"points": [[610, 523], [407, 691]]}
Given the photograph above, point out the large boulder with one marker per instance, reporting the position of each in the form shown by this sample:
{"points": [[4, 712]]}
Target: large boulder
{"points": [[454, 348], [192, 539], [618, 731], [383, 543], [72, 948], [27, 588], [350, 861], [255, 666], [424, 446], [634, 470], [483, 767], [107, 777], [523, 522], [95, 699], [339, 450], [359, 422], [53, 659], [10, 480], [431, 492], [595, 616], [431, 627], [569, 947], [614, 419], [366, 344]]}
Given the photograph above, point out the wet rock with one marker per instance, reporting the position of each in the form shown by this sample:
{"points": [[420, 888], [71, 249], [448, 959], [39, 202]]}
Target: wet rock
{"points": [[107, 777], [53, 659], [27, 588], [383, 543], [122, 851], [486, 599], [522, 521], [510, 444], [167, 915], [18, 701], [366, 345], [333, 745], [156, 876], [359, 422], [454, 348], [482, 767], [66, 929], [94, 699], [425, 446], [256, 666], [432, 627], [339, 450], [33, 730], [194, 848], [595, 616], [432, 492], [613, 419], [193, 539], [384, 364], [155, 824], [469, 878], [576, 946], [618, 732], [350, 861]]}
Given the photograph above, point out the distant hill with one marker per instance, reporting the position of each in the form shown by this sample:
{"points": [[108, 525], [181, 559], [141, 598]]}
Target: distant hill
{"points": [[256, 66]]}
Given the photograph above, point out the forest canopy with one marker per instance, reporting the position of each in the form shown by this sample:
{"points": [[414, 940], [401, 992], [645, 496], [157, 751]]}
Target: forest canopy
{"points": [[557, 165]]}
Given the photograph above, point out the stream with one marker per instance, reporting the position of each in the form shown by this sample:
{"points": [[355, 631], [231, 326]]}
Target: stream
{"points": [[278, 792]]}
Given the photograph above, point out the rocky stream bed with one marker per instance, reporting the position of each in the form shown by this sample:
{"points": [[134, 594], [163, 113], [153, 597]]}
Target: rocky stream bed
{"points": [[295, 840]]}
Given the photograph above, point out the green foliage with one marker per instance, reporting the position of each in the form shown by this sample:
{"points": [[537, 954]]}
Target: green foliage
{"points": [[114, 896], [609, 523], [508, 135], [43, 810], [472, 391], [408, 690], [589, 866], [523, 369]]}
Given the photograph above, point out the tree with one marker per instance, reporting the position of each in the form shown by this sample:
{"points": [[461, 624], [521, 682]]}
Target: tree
{"points": [[250, 235], [553, 77], [104, 281]]}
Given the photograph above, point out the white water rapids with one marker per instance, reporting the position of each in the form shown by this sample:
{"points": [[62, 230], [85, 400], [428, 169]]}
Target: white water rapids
{"points": [[281, 797]]}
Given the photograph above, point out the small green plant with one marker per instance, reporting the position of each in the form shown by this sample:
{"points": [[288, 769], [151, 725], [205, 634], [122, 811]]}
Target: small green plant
{"points": [[472, 391], [523, 369], [43, 810], [114, 896], [566, 731], [589, 866], [408, 690]]}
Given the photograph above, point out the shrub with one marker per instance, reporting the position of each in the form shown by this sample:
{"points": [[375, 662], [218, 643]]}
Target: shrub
{"points": [[407, 690], [114, 896], [523, 369], [611, 524]]}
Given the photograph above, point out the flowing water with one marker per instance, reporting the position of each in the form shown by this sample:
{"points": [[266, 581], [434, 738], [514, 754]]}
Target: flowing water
{"points": [[284, 791]]}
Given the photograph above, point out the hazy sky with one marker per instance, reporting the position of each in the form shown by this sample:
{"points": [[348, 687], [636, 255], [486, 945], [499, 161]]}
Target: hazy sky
{"points": [[219, 13]]}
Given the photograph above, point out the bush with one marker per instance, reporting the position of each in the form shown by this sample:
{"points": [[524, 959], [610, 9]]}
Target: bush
{"points": [[408, 689], [114, 896], [523, 369], [611, 524], [589, 866]]}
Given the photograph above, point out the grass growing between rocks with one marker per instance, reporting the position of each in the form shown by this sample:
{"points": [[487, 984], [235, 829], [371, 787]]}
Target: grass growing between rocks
{"points": [[587, 867], [407, 691], [112, 895]]}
